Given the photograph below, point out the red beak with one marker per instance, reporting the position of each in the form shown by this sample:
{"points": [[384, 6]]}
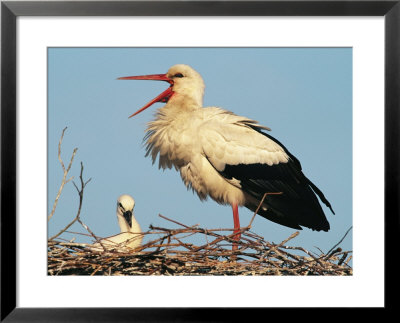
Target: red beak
{"points": [[163, 97]]}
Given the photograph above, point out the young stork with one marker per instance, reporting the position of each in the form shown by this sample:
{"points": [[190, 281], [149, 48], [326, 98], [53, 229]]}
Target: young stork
{"points": [[228, 157], [130, 235]]}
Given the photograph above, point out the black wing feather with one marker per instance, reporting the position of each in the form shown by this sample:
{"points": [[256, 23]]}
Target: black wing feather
{"points": [[298, 204]]}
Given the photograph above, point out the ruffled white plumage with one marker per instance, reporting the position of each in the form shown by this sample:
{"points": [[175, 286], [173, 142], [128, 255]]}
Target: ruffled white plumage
{"points": [[200, 142]]}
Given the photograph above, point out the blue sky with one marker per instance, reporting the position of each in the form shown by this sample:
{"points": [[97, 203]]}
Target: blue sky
{"points": [[303, 94]]}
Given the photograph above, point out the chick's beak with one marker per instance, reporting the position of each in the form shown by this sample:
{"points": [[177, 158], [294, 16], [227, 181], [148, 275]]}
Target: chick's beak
{"points": [[128, 217]]}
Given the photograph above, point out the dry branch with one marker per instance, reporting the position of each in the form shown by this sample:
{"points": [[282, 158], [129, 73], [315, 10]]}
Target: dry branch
{"points": [[65, 171], [77, 217]]}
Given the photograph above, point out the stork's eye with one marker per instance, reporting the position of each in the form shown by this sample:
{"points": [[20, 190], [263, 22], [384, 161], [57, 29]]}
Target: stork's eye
{"points": [[120, 205], [178, 75]]}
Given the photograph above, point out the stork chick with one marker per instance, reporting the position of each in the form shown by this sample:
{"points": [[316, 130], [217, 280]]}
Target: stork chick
{"points": [[130, 235]]}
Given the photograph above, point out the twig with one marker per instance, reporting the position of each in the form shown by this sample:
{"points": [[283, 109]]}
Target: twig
{"points": [[340, 240], [65, 171], [292, 236], [259, 206], [80, 192], [176, 222]]}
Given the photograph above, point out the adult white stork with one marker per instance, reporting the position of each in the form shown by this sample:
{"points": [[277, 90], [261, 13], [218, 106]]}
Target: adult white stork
{"points": [[228, 157], [130, 235]]}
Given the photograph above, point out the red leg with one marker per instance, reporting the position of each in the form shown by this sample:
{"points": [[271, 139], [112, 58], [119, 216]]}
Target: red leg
{"points": [[236, 224]]}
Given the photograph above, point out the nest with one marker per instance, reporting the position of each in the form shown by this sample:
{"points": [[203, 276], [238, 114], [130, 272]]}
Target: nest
{"points": [[169, 253]]}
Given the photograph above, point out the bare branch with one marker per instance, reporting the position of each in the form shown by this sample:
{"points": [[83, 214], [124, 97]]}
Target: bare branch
{"points": [[65, 171], [80, 193], [339, 241], [259, 205], [176, 222]]}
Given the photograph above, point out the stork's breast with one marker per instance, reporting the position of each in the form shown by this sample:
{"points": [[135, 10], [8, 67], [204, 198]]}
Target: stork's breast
{"points": [[202, 177]]}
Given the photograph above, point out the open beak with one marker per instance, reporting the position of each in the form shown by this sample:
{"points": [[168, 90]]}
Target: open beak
{"points": [[163, 97]]}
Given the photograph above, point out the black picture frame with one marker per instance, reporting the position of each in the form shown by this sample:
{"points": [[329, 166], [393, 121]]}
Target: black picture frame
{"points": [[10, 10]]}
